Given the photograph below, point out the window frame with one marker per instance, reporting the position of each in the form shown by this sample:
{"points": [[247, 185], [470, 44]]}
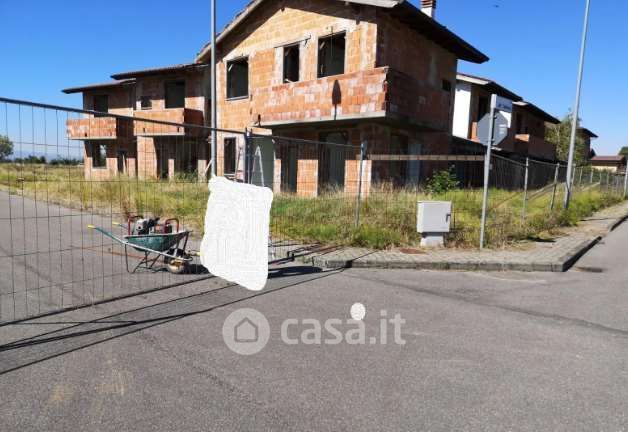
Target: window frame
{"points": [[166, 86], [229, 63], [519, 127], [483, 102], [232, 141], [100, 96], [96, 148], [296, 47], [147, 107], [322, 39]]}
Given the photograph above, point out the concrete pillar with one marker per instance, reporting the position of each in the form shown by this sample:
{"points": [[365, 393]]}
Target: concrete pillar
{"points": [[307, 177]]}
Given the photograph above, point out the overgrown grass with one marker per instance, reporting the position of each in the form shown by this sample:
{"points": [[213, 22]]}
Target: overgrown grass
{"points": [[387, 216]]}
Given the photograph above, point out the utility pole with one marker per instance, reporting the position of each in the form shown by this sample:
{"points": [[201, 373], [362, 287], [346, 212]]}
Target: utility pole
{"points": [[576, 110], [214, 101], [625, 181]]}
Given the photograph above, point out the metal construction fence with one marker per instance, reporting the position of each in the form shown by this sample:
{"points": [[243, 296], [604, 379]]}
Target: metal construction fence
{"points": [[79, 181]]}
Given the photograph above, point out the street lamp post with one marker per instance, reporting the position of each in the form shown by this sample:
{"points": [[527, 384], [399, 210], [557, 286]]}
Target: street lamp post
{"points": [[214, 101], [576, 110]]}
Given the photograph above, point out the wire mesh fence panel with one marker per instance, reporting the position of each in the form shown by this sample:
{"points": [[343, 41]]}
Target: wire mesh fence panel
{"points": [[102, 205], [538, 204], [80, 198], [402, 176], [315, 187]]}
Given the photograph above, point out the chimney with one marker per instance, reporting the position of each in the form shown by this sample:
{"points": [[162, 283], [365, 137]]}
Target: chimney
{"points": [[428, 7]]}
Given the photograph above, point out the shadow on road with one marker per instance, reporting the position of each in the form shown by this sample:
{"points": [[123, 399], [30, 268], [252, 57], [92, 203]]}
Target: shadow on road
{"points": [[33, 350]]}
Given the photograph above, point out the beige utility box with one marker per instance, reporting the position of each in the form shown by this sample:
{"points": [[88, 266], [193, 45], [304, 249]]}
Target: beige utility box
{"points": [[433, 222]]}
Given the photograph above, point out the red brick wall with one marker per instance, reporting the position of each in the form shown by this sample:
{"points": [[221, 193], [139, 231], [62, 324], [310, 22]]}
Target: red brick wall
{"points": [[278, 23], [101, 127], [154, 87], [146, 158], [111, 169], [120, 100], [334, 97], [173, 115], [425, 64]]}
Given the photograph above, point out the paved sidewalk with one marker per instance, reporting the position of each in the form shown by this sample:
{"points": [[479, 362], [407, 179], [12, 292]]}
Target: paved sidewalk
{"points": [[556, 256]]}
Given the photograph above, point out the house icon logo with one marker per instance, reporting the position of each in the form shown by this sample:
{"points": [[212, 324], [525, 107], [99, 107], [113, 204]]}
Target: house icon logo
{"points": [[246, 331]]}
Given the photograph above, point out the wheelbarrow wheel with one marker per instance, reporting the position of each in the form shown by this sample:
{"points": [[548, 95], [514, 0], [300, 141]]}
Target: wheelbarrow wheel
{"points": [[177, 266]]}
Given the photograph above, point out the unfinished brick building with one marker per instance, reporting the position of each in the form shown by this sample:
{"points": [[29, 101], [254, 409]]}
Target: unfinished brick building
{"points": [[344, 72], [149, 150], [527, 133]]}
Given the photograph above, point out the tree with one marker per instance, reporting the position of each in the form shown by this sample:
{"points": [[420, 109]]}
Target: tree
{"points": [[560, 135], [6, 147], [623, 151]]}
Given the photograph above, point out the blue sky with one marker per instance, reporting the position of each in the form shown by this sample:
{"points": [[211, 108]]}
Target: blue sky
{"points": [[533, 45]]}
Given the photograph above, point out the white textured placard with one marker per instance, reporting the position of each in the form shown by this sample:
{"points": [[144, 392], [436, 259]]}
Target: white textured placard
{"points": [[237, 223]]}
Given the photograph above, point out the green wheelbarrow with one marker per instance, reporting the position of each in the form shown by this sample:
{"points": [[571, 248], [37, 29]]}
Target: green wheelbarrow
{"points": [[169, 246]]}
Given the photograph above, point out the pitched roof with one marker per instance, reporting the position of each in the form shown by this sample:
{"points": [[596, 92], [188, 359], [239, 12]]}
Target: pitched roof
{"points": [[616, 159], [588, 132], [402, 10], [101, 86], [538, 112], [160, 70], [490, 86]]}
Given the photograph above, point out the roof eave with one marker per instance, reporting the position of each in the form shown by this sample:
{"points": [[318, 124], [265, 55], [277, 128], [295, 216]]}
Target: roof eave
{"points": [[589, 133], [455, 44], [158, 71], [490, 85], [545, 116], [104, 86], [452, 42]]}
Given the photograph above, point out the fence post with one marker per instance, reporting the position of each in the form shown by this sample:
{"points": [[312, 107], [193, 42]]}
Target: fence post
{"points": [[608, 181], [625, 181], [592, 171], [525, 192], [247, 158], [555, 186], [580, 179], [359, 194]]}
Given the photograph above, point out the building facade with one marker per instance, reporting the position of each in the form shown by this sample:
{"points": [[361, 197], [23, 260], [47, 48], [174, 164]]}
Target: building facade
{"points": [[343, 72], [612, 164], [587, 137], [526, 137], [115, 146]]}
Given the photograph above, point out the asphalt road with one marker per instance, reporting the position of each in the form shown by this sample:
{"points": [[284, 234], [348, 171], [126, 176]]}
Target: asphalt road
{"points": [[51, 260], [483, 352]]}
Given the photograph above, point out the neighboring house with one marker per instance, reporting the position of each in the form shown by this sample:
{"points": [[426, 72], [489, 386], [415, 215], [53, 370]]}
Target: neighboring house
{"points": [[380, 72], [609, 163], [117, 146], [527, 133], [587, 136], [529, 127], [109, 145]]}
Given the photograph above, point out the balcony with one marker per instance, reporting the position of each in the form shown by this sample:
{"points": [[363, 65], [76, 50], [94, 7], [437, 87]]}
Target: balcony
{"points": [[171, 115], [380, 92], [97, 128]]}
